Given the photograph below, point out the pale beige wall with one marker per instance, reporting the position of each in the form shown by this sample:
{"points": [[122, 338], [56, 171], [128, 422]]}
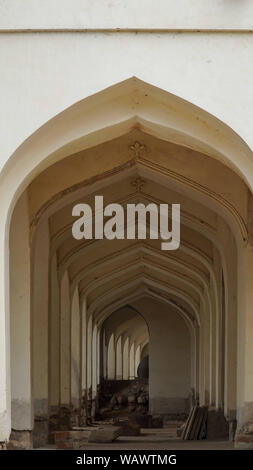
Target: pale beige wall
{"points": [[169, 357]]}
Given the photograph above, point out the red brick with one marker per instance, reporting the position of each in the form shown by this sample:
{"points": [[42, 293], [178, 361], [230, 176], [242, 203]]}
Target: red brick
{"points": [[64, 445], [62, 435]]}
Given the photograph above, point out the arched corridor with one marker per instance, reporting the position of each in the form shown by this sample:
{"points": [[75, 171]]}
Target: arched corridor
{"points": [[92, 307]]}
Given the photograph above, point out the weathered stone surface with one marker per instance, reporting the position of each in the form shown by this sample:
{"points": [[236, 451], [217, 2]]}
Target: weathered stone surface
{"points": [[247, 428], [131, 399], [106, 434], [244, 436], [131, 408], [20, 440], [232, 429], [113, 401], [74, 439], [244, 441], [217, 426], [180, 430], [148, 421], [122, 400], [40, 432], [156, 421], [141, 399], [129, 428], [142, 420]]}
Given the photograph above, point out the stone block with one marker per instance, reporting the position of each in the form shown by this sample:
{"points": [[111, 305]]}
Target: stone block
{"points": [[20, 440], [106, 434], [129, 428], [244, 441], [148, 421], [40, 432], [74, 439], [217, 425], [156, 421]]}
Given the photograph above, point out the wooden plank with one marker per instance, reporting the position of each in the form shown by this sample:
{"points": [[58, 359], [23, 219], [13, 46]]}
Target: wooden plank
{"points": [[195, 424], [202, 430], [187, 423], [191, 421]]}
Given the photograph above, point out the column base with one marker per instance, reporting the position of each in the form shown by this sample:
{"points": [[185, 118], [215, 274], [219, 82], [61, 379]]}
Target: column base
{"points": [[20, 440], [40, 432], [217, 425], [244, 441], [65, 418], [244, 437]]}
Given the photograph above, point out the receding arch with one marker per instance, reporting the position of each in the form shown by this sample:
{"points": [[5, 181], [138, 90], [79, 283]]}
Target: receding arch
{"points": [[181, 126]]}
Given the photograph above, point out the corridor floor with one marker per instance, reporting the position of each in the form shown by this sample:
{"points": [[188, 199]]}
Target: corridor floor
{"points": [[158, 439]]}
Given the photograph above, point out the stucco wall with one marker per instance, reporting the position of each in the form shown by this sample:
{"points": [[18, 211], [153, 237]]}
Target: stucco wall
{"points": [[44, 73], [81, 14], [169, 357]]}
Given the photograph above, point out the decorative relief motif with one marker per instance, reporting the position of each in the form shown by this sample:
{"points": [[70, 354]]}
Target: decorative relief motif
{"points": [[137, 149], [138, 183]]}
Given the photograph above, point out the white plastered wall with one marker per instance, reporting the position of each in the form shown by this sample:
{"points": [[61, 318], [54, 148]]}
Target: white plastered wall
{"points": [[201, 68], [21, 393]]}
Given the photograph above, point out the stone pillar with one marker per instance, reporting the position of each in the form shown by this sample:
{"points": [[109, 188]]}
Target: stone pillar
{"points": [[83, 362], [244, 433], [94, 360], [137, 359], [131, 362], [5, 395], [94, 369], [111, 358], [126, 359], [216, 400], [98, 355], [89, 368], [104, 355], [40, 306], [119, 359], [65, 329], [21, 389], [75, 358], [89, 352], [229, 308], [54, 350]]}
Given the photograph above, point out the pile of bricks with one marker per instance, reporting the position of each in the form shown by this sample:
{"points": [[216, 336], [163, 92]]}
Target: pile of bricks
{"points": [[71, 439], [78, 438]]}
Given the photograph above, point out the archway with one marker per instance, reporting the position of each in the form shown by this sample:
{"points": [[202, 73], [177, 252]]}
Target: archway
{"points": [[144, 157], [123, 334]]}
